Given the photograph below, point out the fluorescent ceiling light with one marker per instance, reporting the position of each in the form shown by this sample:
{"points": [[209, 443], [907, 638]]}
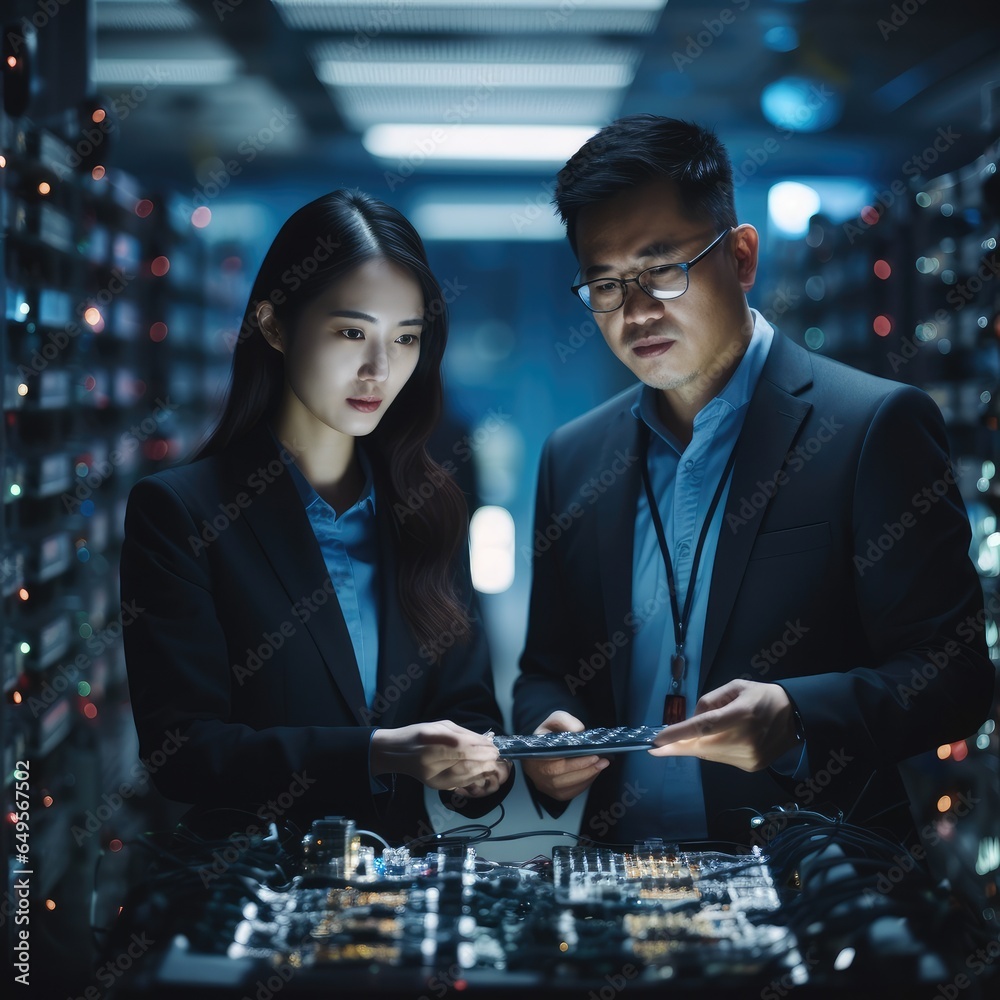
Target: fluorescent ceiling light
{"points": [[151, 15], [415, 144], [380, 5], [166, 71], [361, 107], [488, 50], [423, 74], [476, 50], [373, 17], [486, 220]]}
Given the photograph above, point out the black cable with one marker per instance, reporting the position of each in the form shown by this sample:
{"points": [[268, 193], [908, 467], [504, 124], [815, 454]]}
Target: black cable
{"points": [[466, 833], [913, 897]]}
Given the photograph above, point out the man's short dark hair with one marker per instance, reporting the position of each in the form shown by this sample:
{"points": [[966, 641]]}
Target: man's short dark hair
{"points": [[645, 147]]}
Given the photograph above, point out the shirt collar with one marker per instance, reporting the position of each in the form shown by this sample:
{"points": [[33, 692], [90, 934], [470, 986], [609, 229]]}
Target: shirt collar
{"points": [[308, 493], [735, 393]]}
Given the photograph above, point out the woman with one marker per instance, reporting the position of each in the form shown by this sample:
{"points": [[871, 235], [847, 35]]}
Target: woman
{"points": [[305, 640]]}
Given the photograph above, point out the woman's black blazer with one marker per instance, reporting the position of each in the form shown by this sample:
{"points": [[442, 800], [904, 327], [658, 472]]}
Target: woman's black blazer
{"points": [[240, 665]]}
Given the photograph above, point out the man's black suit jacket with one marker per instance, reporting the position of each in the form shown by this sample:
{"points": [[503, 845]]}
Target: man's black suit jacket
{"points": [[240, 663], [842, 574]]}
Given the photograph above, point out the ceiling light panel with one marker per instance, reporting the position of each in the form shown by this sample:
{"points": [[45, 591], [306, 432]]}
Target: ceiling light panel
{"points": [[189, 59], [410, 143], [633, 17], [527, 52], [484, 220], [477, 80], [176, 72], [364, 106], [146, 15], [437, 74]]}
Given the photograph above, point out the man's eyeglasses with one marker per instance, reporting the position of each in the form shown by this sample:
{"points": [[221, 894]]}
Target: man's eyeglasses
{"points": [[662, 281]]}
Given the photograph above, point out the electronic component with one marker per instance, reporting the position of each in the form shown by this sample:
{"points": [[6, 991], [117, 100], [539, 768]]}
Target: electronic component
{"points": [[601, 741]]}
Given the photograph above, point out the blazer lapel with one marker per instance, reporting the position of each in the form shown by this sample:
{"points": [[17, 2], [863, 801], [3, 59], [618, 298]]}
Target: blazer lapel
{"points": [[772, 421], [395, 644], [279, 521], [616, 534]]}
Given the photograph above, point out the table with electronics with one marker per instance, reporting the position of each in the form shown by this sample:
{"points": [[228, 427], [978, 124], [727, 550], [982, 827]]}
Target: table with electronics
{"points": [[333, 912]]}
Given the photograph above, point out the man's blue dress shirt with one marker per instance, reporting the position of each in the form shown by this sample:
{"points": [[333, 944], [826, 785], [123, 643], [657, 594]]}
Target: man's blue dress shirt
{"points": [[663, 797]]}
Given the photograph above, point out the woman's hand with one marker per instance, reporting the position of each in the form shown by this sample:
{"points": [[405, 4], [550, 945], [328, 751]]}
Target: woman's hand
{"points": [[442, 755], [488, 782]]}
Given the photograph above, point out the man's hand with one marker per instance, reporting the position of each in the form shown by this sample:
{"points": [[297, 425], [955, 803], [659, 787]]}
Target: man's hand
{"points": [[440, 754], [563, 778], [745, 723]]}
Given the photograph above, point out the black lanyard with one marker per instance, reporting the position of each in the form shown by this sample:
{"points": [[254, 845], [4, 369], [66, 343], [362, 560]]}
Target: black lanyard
{"points": [[674, 708]]}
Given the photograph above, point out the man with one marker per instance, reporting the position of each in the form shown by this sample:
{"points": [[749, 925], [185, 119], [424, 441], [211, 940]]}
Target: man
{"points": [[823, 623]]}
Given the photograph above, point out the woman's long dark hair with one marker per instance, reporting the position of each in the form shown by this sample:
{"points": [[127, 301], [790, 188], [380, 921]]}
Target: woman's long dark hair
{"points": [[344, 229]]}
